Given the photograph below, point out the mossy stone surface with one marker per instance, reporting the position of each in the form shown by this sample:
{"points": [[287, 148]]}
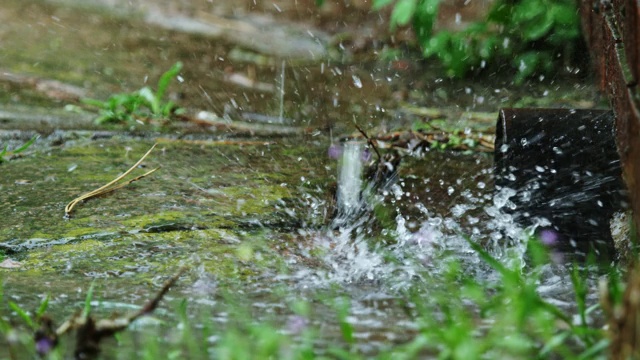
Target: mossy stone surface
{"points": [[217, 204]]}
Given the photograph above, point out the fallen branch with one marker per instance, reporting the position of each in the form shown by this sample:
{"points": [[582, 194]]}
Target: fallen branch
{"points": [[52, 89], [428, 139], [213, 123], [369, 141], [110, 186], [90, 332], [215, 142]]}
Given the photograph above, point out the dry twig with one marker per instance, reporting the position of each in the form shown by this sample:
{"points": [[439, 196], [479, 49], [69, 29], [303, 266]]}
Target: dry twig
{"points": [[90, 332], [110, 186]]}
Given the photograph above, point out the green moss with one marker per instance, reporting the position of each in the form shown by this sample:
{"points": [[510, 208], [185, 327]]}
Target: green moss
{"points": [[219, 206], [231, 257]]}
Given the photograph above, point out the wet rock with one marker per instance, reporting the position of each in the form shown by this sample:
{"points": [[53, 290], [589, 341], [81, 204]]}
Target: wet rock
{"points": [[262, 34]]}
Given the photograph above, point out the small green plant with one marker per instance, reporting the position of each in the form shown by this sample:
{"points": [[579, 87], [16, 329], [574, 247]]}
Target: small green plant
{"points": [[464, 318], [6, 152], [530, 35], [456, 315], [141, 105]]}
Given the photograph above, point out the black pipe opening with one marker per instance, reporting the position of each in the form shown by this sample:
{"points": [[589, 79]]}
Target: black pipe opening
{"points": [[564, 167]]}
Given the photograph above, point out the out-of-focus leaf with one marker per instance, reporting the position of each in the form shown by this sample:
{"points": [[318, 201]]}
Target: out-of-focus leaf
{"points": [[424, 18], [403, 12], [165, 79], [379, 4]]}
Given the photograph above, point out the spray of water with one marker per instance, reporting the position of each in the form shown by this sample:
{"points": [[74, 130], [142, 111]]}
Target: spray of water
{"points": [[351, 242], [349, 197]]}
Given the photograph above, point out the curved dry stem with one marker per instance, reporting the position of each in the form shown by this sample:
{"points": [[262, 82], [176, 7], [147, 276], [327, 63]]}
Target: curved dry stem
{"points": [[109, 187]]}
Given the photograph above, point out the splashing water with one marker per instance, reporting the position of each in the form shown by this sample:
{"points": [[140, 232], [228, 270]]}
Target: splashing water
{"points": [[354, 247], [349, 199]]}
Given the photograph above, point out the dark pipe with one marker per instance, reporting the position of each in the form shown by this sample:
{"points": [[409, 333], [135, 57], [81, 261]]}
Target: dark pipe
{"points": [[564, 167]]}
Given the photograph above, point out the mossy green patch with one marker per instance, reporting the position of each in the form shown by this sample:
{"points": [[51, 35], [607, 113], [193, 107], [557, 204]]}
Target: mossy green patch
{"points": [[142, 257], [220, 206]]}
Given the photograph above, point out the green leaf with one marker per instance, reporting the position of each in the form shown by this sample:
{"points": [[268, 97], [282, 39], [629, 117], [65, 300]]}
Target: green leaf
{"points": [[596, 349], [537, 30], [537, 252], [459, 58], [487, 258], [565, 14], [554, 342], [150, 99], [527, 10], [379, 4], [167, 109], [342, 307], [437, 44], [165, 79], [527, 64], [487, 47], [424, 18], [500, 12], [403, 12], [341, 354], [94, 102]]}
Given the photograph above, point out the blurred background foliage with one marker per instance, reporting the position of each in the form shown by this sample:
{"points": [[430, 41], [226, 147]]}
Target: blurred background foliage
{"points": [[532, 37]]}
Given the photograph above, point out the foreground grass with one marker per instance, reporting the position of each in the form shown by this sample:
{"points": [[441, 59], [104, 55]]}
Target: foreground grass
{"points": [[456, 317]]}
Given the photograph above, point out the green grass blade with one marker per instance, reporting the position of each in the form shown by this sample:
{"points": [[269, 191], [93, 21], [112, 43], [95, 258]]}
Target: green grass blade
{"points": [[165, 79], [43, 307], [3, 153], [597, 349], [26, 145], [487, 258], [87, 301], [95, 103], [23, 314]]}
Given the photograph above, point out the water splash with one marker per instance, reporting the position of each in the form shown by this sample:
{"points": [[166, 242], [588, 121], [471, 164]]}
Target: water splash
{"points": [[349, 197], [359, 250]]}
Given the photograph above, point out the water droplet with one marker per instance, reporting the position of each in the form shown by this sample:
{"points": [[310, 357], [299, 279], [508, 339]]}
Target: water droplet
{"points": [[458, 210], [357, 82], [522, 66]]}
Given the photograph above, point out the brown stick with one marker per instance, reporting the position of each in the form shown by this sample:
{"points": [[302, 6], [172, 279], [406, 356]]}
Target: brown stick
{"points": [[108, 187]]}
